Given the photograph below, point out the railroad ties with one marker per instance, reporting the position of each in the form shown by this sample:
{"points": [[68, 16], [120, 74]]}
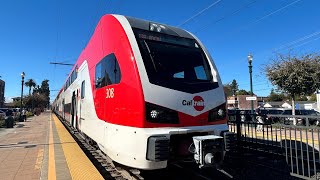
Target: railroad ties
{"points": [[104, 164]]}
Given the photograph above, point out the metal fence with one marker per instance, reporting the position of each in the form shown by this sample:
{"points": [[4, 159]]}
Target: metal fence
{"points": [[277, 136]]}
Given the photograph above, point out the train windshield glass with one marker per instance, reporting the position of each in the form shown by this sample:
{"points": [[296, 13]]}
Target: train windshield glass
{"points": [[175, 62]]}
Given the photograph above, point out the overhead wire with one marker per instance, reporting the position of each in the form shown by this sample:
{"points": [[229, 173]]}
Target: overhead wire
{"points": [[199, 13], [226, 16], [267, 15], [276, 11], [292, 43]]}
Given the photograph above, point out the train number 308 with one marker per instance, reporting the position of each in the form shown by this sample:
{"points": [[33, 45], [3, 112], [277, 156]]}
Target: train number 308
{"points": [[109, 93]]}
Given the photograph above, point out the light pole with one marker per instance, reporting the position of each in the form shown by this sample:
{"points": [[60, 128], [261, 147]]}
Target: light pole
{"points": [[22, 81], [250, 57]]}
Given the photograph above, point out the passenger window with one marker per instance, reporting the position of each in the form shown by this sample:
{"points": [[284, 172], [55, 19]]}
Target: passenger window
{"points": [[108, 71], [82, 89], [179, 75], [200, 73], [98, 81]]}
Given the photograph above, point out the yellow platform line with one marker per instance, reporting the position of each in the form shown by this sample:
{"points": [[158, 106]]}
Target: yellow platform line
{"points": [[79, 165], [52, 162]]}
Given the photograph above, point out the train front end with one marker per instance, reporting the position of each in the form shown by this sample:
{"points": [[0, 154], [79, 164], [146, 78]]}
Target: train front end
{"points": [[185, 105]]}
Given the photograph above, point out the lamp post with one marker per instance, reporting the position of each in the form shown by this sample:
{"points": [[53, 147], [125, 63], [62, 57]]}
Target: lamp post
{"points": [[250, 57], [22, 81]]}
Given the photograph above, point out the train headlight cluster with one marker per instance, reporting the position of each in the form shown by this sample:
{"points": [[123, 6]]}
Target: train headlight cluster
{"points": [[154, 113], [218, 113], [159, 114], [156, 27]]}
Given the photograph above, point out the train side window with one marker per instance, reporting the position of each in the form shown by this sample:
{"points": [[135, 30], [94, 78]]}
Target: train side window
{"points": [[108, 71], [112, 70], [82, 89], [98, 80]]}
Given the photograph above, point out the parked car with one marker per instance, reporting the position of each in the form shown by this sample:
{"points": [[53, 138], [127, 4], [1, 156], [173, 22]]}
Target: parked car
{"points": [[244, 114], [301, 120], [271, 111], [312, 121]]}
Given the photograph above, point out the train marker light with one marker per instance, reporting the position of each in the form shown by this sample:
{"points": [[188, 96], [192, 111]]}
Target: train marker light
{"points": [[156, 27], [154, 113], [221, 113]]}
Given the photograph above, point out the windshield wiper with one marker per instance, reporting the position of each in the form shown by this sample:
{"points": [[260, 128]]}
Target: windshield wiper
{"points": [[154, 65]]}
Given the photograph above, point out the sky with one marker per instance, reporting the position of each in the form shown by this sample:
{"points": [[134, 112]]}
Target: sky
{"points": [[34, 33]]}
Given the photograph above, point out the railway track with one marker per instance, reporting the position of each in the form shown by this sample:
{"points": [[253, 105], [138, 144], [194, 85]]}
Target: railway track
{"points": [[104, 164], [111, 170]]}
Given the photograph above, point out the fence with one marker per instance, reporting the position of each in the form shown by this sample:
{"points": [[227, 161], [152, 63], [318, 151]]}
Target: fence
{"points": [[277, 136]]}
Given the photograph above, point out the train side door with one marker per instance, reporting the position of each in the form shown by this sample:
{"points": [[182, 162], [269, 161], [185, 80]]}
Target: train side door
{"points": [[63, 111], [73, 109], [82, 95]]}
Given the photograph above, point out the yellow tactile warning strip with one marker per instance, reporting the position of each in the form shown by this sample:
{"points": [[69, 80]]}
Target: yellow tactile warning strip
{"points": [[39, 159], [52, 162], [79, 164]]}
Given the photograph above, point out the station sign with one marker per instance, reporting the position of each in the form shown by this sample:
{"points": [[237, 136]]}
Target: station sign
{"points": [[251, 98]]}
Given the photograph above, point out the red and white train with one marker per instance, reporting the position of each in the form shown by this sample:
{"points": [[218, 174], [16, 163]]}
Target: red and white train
{"points": [[147, 94]]}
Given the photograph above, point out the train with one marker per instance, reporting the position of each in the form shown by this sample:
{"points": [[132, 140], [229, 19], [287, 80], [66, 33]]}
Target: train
{"points": [[147, 94]]}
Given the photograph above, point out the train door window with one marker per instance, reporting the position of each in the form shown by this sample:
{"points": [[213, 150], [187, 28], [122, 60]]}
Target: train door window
{"points": [[82, 89]]}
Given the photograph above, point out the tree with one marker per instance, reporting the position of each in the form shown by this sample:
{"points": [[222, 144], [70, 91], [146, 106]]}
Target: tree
{"points": [[295, 75], [276, 96], [39, 100], [44, 89], [227, 90], [30, 83], [243, 92], [313, 97], [234, 86]]}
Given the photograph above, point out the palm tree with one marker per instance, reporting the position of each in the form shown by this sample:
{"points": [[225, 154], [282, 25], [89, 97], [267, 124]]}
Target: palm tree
{"points": [[30, 83]]}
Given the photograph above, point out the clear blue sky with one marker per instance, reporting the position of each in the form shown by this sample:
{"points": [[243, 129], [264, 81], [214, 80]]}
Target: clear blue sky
{"points": [[34, 33]]}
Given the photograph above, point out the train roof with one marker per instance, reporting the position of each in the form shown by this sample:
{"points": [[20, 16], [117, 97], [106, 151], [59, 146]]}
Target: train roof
{"points": [[166, 29]]}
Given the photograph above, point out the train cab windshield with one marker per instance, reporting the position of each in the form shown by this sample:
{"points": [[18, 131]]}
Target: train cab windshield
{"points": [[175, 62]]}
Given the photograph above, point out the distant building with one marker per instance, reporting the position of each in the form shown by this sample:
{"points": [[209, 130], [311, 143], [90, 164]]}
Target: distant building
{"points": [[298, 105], [277, 104], [15, 99], [13, 104], [2, 100], [241, 102]]}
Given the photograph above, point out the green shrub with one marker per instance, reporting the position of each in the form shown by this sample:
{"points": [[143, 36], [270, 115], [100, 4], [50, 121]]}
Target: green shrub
{"points": [[29, 114]]}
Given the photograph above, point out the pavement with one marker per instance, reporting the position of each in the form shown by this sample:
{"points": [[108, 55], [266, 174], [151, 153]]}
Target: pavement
{"points": [[41, 148], [22, 149]]}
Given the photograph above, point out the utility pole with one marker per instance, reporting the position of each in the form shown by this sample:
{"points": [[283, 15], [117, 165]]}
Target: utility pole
{"points": [[250, 72], [64, 64]]}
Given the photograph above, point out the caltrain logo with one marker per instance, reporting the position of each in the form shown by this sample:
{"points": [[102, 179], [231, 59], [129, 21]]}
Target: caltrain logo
{"points": [[197, 102]]}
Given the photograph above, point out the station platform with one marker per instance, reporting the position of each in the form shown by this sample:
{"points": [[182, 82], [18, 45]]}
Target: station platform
{"points": [[41, 148]]}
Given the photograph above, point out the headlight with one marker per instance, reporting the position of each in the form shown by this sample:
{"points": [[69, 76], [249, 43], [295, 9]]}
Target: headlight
{"points": [[218, 113], [159, 114]]}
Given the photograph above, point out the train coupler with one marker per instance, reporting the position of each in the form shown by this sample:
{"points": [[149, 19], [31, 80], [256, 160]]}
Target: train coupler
{"points": [[209, 150]]}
